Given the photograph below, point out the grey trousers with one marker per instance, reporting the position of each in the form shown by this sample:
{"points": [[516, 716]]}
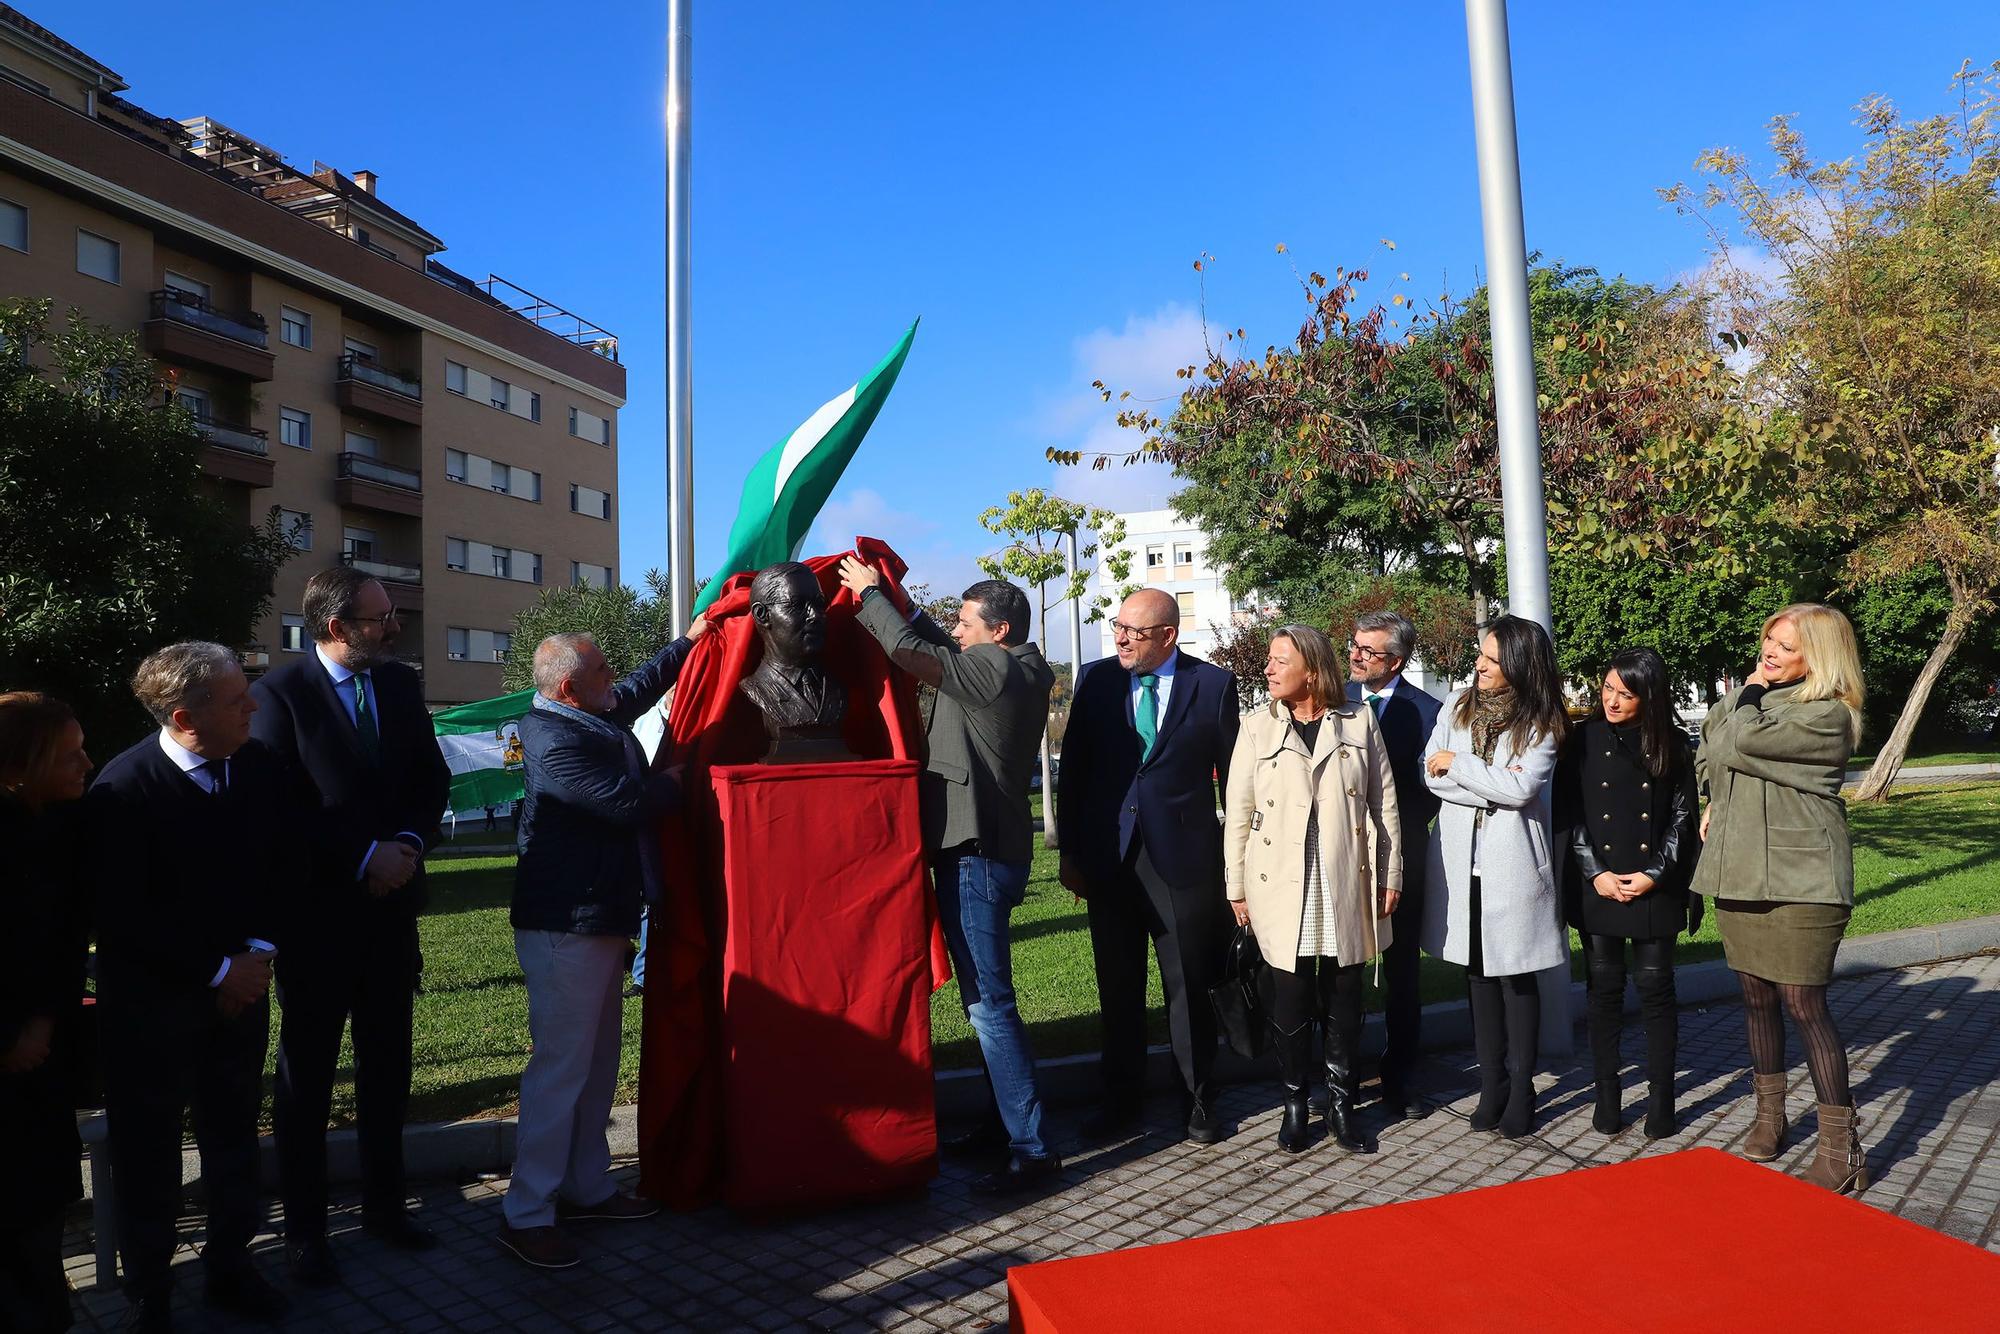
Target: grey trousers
{"points": [[561, 1144]]}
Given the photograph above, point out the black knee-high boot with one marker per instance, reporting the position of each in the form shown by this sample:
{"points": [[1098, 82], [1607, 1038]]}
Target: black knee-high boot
{"points": [[1654, 977], [1489, 1045], [1524, 1024], [1340, 1041], [1295, 1066], [1604, 958]]}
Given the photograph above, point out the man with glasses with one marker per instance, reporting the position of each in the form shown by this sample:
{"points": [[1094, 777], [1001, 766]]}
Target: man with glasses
{"points": [[352, 718], [1377, 652], [1147, 743]]}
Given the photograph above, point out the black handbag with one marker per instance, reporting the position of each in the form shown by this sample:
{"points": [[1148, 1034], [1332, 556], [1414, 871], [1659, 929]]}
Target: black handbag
{"points": [[1238, 998]]}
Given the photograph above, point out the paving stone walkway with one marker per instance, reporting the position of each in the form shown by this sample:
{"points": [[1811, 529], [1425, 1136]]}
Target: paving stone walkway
{"points": [[1925, 1045]]}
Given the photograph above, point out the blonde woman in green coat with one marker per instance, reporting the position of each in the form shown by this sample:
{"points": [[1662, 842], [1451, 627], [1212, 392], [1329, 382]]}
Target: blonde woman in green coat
{"points": [[1776, 860]]}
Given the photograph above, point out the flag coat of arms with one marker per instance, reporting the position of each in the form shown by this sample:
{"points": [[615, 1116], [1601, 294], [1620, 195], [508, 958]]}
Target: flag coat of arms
{"points": [[482, 746]]}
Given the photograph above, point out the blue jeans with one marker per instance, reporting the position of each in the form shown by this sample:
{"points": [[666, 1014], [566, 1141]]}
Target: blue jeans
{"points": [[976, 895]]}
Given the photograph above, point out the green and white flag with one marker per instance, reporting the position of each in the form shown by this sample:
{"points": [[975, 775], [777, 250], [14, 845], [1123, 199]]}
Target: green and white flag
{"points": [[783, 493], [482, 746]]}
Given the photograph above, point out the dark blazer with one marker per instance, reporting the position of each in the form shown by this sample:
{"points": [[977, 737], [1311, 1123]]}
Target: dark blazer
{"points": [[587, 809], [1407, 720], [183, 878], [404, 792], [1613, 815], [41, 976], [985, 732], [1105, 795]]}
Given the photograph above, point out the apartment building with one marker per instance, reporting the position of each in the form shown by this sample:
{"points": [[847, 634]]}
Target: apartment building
{"points": [[1171, 554], [456, 437]]}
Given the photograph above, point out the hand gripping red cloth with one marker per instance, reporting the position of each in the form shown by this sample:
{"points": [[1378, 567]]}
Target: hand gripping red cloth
{"points": [[683, 1113]]}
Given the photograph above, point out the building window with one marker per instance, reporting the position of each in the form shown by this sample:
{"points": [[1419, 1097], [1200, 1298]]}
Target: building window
{"points": [[503, 563], [13, 225], [1156, 557], [454, 553], [188, 291], [292, 633], [365, 351], [499, 393], [364, 445], [587, 500], [194, 400], [357, 543], [295, 327], [502, 641], [456, 643], [454, 377], [534, 407], [454, 465], [297, 526], [96, 256], [1186, 601], [589, 576], [295, 428], [1184, 555], [589, 426]]}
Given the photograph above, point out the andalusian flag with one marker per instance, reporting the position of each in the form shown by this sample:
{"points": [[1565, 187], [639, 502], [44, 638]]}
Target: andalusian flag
{"points": [[483, 747], [783, 493]]}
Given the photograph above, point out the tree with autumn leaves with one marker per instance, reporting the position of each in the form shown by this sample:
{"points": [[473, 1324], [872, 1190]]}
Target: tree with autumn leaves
{"points": [[1842, 396]]}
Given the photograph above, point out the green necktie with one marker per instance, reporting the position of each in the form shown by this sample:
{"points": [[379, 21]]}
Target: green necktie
{"points": [[364, 718], [1374, 702], [1147, 713]]}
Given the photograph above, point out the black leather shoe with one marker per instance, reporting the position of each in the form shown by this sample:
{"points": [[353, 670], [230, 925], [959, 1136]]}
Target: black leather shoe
{"points": [[242, 1292], [1020, 1176], [399, 1230], [1111, 1123], [311, 1262], [151, 1315], [1394, 1100], [988, 1140], [1202, 1125]]}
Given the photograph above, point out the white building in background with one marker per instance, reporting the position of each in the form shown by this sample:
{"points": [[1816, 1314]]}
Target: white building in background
{"points": [[1172, 554]]}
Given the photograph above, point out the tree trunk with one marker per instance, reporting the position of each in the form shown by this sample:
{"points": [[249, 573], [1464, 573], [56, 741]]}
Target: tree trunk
{"points": [[1049, 837], [1875, 785], [1474, 583]]}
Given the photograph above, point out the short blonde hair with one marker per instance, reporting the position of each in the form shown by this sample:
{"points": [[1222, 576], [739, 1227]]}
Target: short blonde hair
{"points": [[1317, 656], [1833, 658]]}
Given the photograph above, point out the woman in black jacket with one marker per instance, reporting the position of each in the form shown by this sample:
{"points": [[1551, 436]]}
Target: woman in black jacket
{"points": [[42, 946], [1628, 783]]}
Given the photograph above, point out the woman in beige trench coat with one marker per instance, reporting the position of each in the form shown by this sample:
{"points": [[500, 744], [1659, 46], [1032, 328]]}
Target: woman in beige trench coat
{"points": [[1313, 866]]}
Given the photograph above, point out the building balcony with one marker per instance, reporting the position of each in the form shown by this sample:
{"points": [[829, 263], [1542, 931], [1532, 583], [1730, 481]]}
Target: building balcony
{"points": [[186, 331], [367, 483], [235, 453], [362, 386], [405, 583]]}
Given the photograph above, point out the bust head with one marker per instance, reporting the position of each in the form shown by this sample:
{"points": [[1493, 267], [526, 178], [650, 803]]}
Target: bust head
{"points": [[789, 610]]}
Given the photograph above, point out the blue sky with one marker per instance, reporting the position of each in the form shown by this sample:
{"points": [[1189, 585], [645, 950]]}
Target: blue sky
{"points": [[1034, 180]]}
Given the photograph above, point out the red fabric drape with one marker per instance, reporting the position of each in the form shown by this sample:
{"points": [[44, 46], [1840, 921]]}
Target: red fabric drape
{"points": [[682, 1108]]}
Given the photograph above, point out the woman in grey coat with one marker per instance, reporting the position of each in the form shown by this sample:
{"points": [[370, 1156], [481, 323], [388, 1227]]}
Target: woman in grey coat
{"points": [[1493, 906]]}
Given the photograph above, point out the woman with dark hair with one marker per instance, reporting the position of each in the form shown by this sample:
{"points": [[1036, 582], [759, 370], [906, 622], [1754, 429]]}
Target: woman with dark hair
{"points": [[1309, 767], [1626, 788], [1493, 906], [42, 946]]}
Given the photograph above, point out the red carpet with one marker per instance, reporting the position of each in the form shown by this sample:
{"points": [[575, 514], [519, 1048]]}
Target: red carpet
{"points": [[1691, 1241]]}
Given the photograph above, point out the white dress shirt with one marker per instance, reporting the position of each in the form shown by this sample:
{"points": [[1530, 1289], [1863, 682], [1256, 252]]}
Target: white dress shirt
{"points": [[192, 765], [1388, 689]]}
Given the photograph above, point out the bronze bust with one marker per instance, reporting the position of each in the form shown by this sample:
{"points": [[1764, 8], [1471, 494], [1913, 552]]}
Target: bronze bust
{"points": [[802, 705]]}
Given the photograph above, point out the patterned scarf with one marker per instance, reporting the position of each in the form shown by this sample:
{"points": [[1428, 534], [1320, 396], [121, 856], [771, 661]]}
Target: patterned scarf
{"points": [[1492, 718]]}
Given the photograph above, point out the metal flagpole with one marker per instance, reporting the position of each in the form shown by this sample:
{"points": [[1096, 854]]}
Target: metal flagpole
{"points": [[680, 376], [1524, 513]]}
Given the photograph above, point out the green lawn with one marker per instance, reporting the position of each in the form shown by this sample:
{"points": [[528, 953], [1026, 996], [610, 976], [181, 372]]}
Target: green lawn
{"points": [[1926, 855], [1933, 758]]}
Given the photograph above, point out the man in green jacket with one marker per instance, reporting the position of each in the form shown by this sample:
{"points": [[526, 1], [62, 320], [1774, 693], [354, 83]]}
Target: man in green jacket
{"points": [[985, 735]]}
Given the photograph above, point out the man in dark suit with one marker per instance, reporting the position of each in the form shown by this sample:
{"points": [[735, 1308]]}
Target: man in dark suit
{"points": [[984, 737], [192, 834], [589, 860], [352, 719], [1149, 738], [1377, 651]]}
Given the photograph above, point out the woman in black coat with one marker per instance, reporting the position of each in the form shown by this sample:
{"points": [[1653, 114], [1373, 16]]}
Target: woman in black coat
{"points": [[42, 946], [1629, 802]]}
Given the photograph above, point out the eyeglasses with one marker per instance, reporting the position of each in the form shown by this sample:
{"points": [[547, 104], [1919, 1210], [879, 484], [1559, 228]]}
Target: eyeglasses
{"points": [[1120, 630], [1368, 654], [393, 614]]}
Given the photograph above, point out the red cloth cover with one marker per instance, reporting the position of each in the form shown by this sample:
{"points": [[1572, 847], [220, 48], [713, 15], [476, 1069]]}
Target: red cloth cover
{"points": [[1698, 1240], [826, 984], [684, 1115]]}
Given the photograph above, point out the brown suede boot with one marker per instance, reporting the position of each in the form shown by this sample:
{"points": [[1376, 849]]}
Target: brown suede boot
{"points": [[1767, 1131], [1841, 1164]]}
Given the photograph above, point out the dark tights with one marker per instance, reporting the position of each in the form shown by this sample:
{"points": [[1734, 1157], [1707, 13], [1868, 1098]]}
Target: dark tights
{"points": [[1319, 988], [1653, 978], [1826, 1056]]}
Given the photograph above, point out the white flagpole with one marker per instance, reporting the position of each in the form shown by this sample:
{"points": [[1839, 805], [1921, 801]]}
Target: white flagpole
{"points": [[1523, 509], [680, 376]]}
